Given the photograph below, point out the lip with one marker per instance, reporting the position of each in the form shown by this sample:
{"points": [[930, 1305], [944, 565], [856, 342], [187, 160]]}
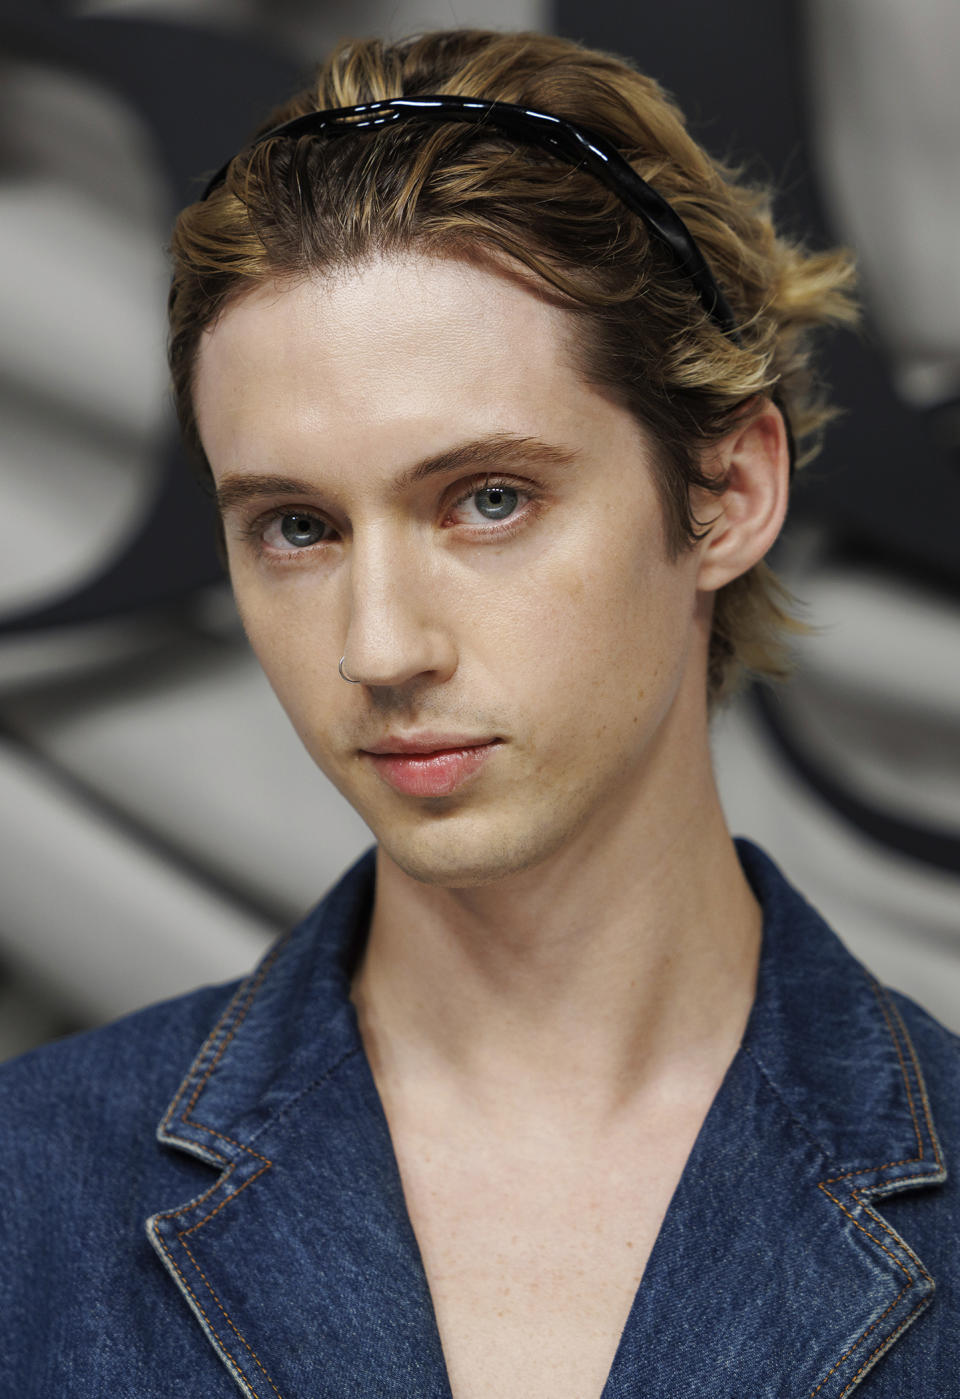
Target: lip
{"points": [[426, 741], [429, 765]]}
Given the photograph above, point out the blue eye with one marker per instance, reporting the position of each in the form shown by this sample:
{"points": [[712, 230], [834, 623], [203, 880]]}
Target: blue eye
{"points": [[302, 530], [496, 502]]}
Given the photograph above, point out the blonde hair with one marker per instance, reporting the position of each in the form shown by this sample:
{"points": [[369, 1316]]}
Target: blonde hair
{"points": [[289, 207]]}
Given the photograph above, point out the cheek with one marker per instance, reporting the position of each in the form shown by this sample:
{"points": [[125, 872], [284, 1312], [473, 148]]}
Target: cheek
{"points": [[560, 653], [598, 607], [605, 646], [290, 643]]}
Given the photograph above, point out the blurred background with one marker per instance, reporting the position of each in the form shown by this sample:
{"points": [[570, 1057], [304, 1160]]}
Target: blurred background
{"points": [[159, 822]]}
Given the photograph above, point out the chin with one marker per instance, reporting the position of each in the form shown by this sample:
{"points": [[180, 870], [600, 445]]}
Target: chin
{"points": [[455, 859]]}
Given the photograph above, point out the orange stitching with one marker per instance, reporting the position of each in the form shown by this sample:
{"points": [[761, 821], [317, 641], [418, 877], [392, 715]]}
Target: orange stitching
{"points": [[921, 1085], [205, 1050], [253, 991], [871, 1327], [255, 985], [220, 1180], [889, 1340], [211, 1039], [196, 1299], [254, 988], [186, 1120], [230, 1323], [865, 1170], [202, 1127], [893, 1234], [823, 1186], [903, 1068], [226, 1200], [181, 1236], [907, 1161], [857, 1196]]}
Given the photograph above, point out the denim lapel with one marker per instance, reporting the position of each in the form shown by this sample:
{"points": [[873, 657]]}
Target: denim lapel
{"points": [[300, 1262], [775, 1274]]}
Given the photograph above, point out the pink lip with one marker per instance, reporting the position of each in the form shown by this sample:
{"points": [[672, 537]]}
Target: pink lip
{"points": [[430, 765]]}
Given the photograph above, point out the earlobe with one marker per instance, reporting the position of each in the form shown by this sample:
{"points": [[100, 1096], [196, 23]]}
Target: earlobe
{"points": [[748, 516]]}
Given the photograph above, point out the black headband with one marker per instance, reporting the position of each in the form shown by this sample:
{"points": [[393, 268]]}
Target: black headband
{"points": [[577, 145], [574, 144]]}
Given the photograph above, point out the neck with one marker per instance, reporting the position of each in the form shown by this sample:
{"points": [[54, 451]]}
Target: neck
{"points": [[622, 968]]}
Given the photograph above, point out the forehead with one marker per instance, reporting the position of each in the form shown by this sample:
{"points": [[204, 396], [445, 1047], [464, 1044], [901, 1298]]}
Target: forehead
{"points": [[386, 358]]}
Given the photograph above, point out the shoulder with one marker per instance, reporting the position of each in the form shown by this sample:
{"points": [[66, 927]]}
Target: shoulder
{"points": [[106, 1091], [80, 1170], [79, 1154], [107, 1084]]}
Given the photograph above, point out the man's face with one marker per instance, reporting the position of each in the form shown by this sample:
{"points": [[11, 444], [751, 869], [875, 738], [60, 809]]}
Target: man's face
{"points": [[477, 532]]}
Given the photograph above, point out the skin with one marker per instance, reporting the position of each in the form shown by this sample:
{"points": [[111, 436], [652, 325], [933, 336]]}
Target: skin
{"points": [[584, 934]]}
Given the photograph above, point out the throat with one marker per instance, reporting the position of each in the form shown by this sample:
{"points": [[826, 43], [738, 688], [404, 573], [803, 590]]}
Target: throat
{"points": [[560, 983], [535, 1242]]}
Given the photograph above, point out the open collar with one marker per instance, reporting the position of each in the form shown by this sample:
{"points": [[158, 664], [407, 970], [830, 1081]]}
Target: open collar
{"points": [[774, 1273]]}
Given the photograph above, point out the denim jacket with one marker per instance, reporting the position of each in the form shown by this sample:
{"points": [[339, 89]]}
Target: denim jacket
{"points": [[258, 1238]]}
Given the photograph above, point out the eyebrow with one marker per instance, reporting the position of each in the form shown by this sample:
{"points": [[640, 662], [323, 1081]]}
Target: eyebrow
{"points": [[495, 451]]}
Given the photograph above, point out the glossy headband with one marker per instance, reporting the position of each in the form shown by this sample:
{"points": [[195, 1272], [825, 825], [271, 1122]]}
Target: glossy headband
{"points": [[574, 144]]}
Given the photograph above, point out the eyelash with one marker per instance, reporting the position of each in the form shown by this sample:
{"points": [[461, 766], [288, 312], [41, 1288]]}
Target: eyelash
{"points": [[528, 501], [255, 530]]}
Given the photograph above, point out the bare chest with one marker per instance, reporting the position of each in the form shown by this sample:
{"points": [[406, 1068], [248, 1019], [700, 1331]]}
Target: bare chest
{"points": [[533, 1269]]}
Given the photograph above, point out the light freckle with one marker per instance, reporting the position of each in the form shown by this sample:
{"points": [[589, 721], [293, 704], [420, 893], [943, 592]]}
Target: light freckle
{"points": [[362, 387]]}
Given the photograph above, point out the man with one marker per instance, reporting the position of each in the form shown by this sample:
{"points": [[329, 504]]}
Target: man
{"points": [[560, 1092]]}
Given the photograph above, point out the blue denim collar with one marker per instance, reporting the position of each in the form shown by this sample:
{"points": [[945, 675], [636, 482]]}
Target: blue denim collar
{"points": [[773, 1265]]}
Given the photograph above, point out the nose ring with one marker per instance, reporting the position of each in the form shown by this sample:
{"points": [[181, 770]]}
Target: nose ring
{"points": [[343, 674]]}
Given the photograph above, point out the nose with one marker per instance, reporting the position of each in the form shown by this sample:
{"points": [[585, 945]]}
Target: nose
{"points": [[396, 633]]}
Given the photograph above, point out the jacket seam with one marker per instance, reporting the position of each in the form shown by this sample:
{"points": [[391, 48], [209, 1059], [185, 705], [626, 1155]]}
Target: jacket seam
{"points": [[240, 1016], [229, 1320], [875, 987], [872, 1327], [921, 1083], [213, 1330], [308, 1088], [771, 1084], [206, 1050], [234, 1014], [858, 1196], [182, 1233], [885, 1345]]}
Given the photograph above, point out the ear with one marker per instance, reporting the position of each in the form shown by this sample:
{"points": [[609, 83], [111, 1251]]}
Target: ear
{"points": [[754, 459]]}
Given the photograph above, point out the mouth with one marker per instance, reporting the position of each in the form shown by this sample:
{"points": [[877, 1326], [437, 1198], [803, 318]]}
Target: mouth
{"points": [[429, 765]]}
